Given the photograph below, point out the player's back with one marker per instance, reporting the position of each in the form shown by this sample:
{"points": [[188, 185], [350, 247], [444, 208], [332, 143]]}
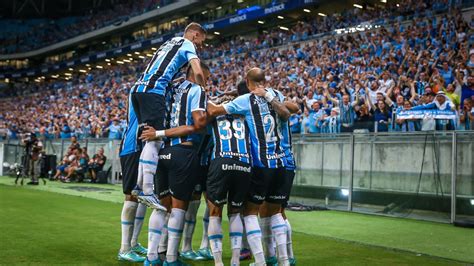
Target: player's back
{"points": [[185, 99], [264, 128], [286, 144], [164, 65], [231, 138]]}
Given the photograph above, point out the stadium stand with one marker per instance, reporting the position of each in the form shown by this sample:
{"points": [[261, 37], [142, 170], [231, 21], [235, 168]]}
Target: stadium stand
{"points": [[24, 35], [344, 82]]}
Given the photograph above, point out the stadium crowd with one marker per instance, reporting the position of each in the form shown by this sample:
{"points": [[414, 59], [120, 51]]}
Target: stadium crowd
{"points": [[49, 32], [342, 82]]}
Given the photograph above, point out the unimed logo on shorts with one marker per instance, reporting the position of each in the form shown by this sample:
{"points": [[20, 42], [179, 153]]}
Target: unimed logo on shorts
{"points": [[234, 167], [165, 156]]}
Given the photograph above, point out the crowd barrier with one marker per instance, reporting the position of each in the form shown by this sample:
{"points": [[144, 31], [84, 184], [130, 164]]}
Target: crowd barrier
{"points": [[421, 175]]}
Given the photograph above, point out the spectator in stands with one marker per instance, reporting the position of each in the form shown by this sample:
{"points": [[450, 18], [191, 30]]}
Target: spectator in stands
{"points": [[96, 164], [364, 118], [467, 115], [382, 116], [315, 117], [441, 102], [392, 63], [407, 125], [115, 130]]}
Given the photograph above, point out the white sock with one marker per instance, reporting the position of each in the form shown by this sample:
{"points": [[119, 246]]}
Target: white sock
{"points": [[149, 162], [236, 229], [175, 230], [279, 232], [205, 225], [140, 174], [215, 239], [155, 225], [128, 215], [190, 224], [289, 244], [164, 236], [139, 218], [254, 237], [245, 243], [267, 237]]}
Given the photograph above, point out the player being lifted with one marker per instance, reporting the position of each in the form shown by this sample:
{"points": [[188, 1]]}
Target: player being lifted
{"points": [[268, 160], [148, 99], [228, 182], [179, 164]]}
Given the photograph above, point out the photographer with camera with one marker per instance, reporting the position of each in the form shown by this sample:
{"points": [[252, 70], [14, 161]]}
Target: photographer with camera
{"points": [[33, 148]]}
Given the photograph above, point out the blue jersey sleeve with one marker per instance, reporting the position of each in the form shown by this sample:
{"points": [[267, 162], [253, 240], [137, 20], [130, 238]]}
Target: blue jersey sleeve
{"points": [[239, 106], [280, 96], [188, 50], [198, 99]]}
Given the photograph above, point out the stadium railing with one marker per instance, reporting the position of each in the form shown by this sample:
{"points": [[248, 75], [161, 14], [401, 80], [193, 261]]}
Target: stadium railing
{"points": [[419, 175]]}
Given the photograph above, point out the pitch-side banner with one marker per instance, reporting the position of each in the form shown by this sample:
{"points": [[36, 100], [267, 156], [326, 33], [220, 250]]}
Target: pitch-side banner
{"points": [[420, 114]]}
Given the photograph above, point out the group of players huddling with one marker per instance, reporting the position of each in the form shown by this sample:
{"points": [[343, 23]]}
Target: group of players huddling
{"points": [[178, 146]]}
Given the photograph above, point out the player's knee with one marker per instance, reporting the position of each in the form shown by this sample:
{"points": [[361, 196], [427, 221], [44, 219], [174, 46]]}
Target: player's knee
{"points": [[272, 208], [251, 208], [214, 210], [179, 204], [233, 210], [197, 195], [129, 197]]}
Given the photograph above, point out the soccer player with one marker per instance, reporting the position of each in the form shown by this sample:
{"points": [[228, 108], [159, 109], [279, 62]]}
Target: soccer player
{"points": [[268, 177], [203, 253], [148, 98], [179, 164], [228, 182], [133, 212], [290, 166]]}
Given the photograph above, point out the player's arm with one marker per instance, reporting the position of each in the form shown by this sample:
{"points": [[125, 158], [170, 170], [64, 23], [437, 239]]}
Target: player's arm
{"points": [[278, 106], [214, 110], [198, 73], [238, 106], [292, 107], [200, 122]]}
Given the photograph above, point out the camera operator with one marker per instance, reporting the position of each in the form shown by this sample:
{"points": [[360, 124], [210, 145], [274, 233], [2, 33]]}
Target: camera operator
{"points": [[32, 152]]}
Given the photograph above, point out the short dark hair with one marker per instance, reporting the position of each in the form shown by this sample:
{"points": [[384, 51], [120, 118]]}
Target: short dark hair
{"points": [[196, 27], [204, 67], [242, 88]]}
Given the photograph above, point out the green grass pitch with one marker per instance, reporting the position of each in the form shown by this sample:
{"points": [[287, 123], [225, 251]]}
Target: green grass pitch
{"points": [[44, 225]]}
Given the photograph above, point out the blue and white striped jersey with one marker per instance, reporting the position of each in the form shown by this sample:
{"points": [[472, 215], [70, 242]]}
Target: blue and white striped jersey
{"points": [[130, 142], [164, 65], [231, 138], [264, 128], [286, 144], [205, 146], [186, 98]]}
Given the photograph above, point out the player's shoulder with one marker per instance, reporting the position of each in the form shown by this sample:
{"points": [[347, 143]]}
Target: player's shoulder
{"points": [[243, 96], [178, 40], [196, 88]]}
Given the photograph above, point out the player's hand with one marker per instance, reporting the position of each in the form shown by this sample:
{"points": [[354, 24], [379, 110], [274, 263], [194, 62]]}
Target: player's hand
{"points": [[148, 134], [259, 91]]}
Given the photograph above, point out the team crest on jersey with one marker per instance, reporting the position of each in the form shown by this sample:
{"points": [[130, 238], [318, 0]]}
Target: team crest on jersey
{"points": [[259, 101]]}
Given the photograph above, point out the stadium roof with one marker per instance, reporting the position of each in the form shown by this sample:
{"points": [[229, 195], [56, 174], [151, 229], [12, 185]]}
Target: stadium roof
{"points": [[22, 9]]}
